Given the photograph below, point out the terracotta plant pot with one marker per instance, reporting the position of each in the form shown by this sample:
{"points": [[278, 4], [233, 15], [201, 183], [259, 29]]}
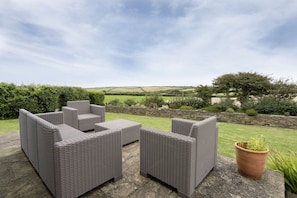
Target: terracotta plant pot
{"points": [[250, 163]]}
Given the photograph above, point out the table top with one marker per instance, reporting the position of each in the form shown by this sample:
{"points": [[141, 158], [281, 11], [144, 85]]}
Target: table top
{"points": [[120, 123]]}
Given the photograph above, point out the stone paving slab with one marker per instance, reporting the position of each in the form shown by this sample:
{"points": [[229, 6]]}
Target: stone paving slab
{"points": [[18, 178]]}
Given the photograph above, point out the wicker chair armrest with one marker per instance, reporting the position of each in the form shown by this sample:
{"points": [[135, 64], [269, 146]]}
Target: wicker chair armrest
{"points": [[70, 116], [98, 110]]}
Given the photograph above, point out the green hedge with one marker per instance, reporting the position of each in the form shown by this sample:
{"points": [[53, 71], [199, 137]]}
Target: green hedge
{"points": [[40, 98], [96, 97]]}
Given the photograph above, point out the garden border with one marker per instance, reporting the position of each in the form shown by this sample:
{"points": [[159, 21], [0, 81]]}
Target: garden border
{"points": [[238, 118]]}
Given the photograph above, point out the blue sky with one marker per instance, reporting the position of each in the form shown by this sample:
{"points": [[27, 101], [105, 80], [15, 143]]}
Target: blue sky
{"points": [[96, 43]]}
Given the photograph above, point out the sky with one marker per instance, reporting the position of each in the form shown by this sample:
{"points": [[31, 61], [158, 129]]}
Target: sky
{"points": [[100, 43]]}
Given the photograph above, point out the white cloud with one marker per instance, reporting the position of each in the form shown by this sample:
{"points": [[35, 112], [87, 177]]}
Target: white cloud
{"points": [[91, 43]]}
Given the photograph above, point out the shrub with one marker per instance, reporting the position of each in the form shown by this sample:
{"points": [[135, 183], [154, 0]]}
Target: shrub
{"points": [[47, 98], [36, 98], [192, 101], [130, 102], [289, 108], [287, 114], [66, 94], [70, 94], [173, 106], [224, 104], [153, 101], [7, 94], [229, 110], [251, 112], [273, 105], [114, 102], [287, 164], [250, 104], [186, 107], [205, 93], [96, 97], [211, 108], [27, 98]]}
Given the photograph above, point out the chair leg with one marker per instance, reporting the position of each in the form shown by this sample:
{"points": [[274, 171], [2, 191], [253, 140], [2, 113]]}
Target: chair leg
{"points": [[115, 179], [143, 174]]}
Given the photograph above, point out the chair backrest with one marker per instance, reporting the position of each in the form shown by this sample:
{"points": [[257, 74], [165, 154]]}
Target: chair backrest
{"points": [[182, 126], [23, 129], [48, 135], [83, 106], [52, 117], [206, 134]]}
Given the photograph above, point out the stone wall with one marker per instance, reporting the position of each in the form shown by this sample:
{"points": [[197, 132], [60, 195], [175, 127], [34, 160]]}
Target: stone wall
{"points": [[239, 118]]}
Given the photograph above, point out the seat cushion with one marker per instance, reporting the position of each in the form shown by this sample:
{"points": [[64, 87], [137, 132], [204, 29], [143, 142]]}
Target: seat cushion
{"points": [[87, 121], [87, 116], [68, 132]]}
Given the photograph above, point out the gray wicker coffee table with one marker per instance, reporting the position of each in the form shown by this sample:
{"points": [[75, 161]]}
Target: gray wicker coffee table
{"points": [[130, 130]]}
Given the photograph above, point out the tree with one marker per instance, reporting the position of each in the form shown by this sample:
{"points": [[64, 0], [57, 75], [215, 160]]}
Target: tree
{"points": [[244, 84], [205, 93], [224, 84], [251, 84], [283, 89]]}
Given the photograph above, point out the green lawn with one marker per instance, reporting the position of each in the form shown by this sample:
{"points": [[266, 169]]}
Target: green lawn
{"points": [[280, 138], [9, 125]]}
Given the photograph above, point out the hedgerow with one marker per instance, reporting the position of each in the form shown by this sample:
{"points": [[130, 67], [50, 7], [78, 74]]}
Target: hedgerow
{"points": [[40, 98]]}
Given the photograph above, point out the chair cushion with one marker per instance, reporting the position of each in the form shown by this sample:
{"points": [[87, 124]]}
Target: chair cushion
{"points": [[87, 121], [68, 132], [87, 116]]}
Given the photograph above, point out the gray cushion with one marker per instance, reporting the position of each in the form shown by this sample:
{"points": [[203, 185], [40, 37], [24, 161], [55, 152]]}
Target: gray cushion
{"points": [[87, 121], [87, 116]]}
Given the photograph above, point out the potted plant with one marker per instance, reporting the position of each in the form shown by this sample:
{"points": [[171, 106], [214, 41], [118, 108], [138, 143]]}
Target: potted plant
{"points": [[251, 157]]}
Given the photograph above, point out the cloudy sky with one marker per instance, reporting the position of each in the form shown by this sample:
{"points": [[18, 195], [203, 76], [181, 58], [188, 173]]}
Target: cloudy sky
{"points": [[96, 43]]}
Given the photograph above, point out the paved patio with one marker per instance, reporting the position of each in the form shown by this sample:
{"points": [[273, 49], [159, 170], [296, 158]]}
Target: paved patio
{"points": [[18, 178]]}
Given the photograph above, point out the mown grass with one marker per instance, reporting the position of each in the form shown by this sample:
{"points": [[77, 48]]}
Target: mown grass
{"points": [[280, 138], [9, 125]]}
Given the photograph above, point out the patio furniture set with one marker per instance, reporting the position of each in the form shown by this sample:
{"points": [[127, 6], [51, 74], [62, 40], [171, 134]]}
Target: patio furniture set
{"points": [[72, 162]]}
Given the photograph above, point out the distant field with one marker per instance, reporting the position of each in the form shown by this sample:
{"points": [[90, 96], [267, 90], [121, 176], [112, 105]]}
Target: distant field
{"points": [[121, 89], [131, 92], [123, 98], [145, 89]]}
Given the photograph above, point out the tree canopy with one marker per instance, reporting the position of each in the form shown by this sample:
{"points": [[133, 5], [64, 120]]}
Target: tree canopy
{"points": [[243, 84]]}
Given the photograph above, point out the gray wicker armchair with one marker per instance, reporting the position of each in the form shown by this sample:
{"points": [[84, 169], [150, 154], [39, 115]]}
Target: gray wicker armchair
{"points": [[183, 158], [82, 115]]}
